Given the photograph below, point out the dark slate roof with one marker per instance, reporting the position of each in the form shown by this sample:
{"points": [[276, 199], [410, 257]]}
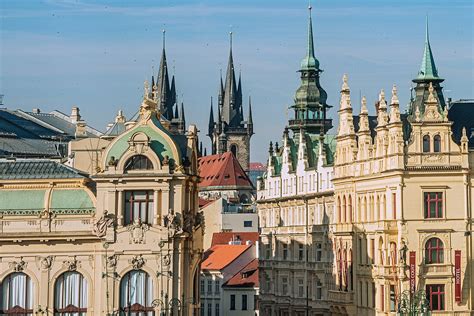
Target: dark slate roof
{"points": [[36, 169], [461, 112]]}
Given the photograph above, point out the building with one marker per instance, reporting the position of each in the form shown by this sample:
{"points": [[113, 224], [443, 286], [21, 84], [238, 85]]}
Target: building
{"points": [[229, 194], [229, 275], [295, 201], [402, 227], [41, 135], [256, 170], [231, 132], [127, 239]]}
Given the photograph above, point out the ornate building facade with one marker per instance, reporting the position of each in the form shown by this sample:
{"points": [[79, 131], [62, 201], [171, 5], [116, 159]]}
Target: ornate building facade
{"points": [[402, 228], [127, 240], [295, 200], [231, 132]]}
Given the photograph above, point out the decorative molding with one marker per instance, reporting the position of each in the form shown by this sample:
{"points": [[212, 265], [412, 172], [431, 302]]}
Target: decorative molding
{"points": [[71, 265], [18, 266], [43, 213], [112, 261], [45, 262], [104, 223], [137, 262], [137, 232]]}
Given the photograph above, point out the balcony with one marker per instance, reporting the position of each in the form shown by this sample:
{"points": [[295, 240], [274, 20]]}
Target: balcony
{"points": [[311, 123], [436, 269], [386, 225], [341, 297]]}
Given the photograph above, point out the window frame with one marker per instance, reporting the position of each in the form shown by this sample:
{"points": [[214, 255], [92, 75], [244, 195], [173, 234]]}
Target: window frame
{"points": [[129, 211], [136, 308], [244, 302], [437, 249], [29, 295], [440, 203], [437, 143], [440, 293], [138, 163], [426, 141], [232, 302], [69, 309]]}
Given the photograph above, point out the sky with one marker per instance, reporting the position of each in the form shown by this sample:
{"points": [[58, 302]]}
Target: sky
{"points": [[55, 54]]}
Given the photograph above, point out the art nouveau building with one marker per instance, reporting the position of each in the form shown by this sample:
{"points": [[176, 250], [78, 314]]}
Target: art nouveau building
{"points": [[403, 219], [295, 202], [127, 240]]}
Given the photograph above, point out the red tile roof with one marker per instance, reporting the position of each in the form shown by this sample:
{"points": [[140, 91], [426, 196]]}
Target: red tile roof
{"points": [[220, 256], [222, 170], [223, 238], [257, 166], [247, 277]]}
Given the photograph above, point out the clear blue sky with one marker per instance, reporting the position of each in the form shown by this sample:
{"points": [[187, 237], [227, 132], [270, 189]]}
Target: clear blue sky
{"points": [[96, 54]]}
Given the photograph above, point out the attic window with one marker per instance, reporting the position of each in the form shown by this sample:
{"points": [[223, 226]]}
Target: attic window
{"points": [[226, 176], [138, 162]]}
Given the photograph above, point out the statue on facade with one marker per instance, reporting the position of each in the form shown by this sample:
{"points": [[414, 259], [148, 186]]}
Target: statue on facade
{"points": [[173, 222], [105, 222]]}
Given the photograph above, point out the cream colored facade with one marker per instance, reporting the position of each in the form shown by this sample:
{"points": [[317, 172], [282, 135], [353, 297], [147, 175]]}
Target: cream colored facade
{"points": [[383, 216], [109, 240]]}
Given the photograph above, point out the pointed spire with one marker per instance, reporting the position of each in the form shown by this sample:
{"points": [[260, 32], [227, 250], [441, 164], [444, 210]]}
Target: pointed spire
{"points": [[382, 110], [364, 116], [205, 151], [345, 102], [211, 120], [363, 107], [181, 113], [310, 61], [176, 111], [250, 119], [428, 68], [394, 106]]}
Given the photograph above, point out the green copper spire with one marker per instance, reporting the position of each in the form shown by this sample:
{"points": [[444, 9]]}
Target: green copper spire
{"points": [[428, 67], [310, 62]]}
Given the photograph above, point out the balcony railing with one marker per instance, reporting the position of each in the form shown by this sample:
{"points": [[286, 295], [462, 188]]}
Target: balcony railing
{"points": [[341, 297]]}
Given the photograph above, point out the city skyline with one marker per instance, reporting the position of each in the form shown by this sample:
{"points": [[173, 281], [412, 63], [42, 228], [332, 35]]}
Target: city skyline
{"points": [[97, 55]]}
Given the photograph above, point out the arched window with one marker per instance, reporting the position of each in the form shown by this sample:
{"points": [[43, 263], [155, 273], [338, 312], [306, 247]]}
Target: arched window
{"points": [[434, 251], [233, 149], [437, 143], [338, 219], [70, 294], [349, 209], [16, 295], [136, 294], [138, 162], [426, 144], [344, 209]]}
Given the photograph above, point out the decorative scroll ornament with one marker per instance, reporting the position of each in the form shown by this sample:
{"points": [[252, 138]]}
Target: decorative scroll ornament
{"points": [[139, 143], [101, 226], [137, 231], [18, 266], [46, 262], [71, 265], [137, 262]]}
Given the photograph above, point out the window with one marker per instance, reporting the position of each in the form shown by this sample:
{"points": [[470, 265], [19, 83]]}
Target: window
{"points": [[218, 309], [394, 205], [284, 285], [232, 302], [300, 252], [247, 223], [300, 287], [70, 294], [435, 295], [136, 294], [319, 252], [437, 143], [209, 309], [426, 144], [233, 149], [382, 298], [209, 286], [393, 300], [244, 302], [285, 251], [434, 251], [433, 204], [138, 162], [217, 286], [138, 205], [202, 286], [16, 295], [255, 302], [202, 309], [319, 290]]}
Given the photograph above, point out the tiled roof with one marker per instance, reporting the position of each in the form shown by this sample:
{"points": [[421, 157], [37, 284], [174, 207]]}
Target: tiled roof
{"points": [[36, 169], [247, 277], [222, 170], [223, 238], [220, 256], [461, 112], [258, 166]]}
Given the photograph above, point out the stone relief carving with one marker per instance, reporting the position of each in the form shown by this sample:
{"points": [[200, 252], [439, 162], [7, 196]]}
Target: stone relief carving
{"points": [[112, 261], [173, 221], [71, 265], [199, 220], [137, 231], [137, 262], [45, 262], [101, 226], [18, 266]]}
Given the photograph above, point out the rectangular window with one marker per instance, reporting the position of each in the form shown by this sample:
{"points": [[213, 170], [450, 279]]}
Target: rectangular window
{"points": [[382, 298], [435, 295], [393, 301], [374, 297], [209, 309], [209, 286], [319, 252], [284, 286], [300, 252], [433, 202], [138, 205], [218, 309], [360, 250], [300, 287], [372, 250], [202, 309], [394, 205], [285, 251], [232, 302], [255, 302], [202, 286], [319, 290], [247, 223], [244, 302], [217, 286]]}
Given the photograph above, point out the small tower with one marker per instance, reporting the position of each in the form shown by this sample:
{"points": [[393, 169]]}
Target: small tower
{"points": [[231, 132]]}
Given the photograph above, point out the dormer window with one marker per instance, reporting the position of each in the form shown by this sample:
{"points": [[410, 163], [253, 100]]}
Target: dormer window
{"points": [[138, 162], [437, 144], [426, 144]]}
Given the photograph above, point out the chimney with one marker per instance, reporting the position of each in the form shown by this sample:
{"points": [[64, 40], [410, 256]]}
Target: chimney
{"points": [[36, 111], [75, 116], [80, 129]]}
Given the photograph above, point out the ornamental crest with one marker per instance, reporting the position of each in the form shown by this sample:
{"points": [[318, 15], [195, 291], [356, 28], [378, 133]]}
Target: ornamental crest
{"points": [[137, 262], [46, 262], [137, 232]]}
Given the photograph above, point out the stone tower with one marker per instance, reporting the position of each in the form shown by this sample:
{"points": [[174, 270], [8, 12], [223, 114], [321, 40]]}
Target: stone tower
{"points": [[231, 132]]}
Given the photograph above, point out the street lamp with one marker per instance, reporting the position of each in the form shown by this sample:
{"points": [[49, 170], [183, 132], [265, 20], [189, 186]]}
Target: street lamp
{"points": [[413, 304]]}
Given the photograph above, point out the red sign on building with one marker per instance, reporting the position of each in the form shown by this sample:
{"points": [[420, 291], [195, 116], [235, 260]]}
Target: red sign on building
{"points": [[412, 272], [457, 276]]}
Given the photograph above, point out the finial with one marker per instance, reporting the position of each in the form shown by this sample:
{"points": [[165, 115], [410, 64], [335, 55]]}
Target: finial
{"points": [[230, 35], [363, 108], [394, 95], [145, 89], [431, 97], [345, 86], [382, 95], [164, 38], [427, 33]]}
